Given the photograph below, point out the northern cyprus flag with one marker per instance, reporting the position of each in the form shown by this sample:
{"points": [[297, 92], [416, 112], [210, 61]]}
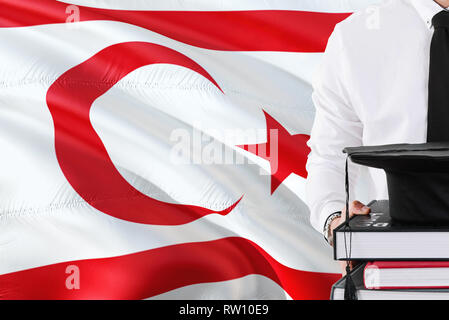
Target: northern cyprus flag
{"points": [[157, 149]]}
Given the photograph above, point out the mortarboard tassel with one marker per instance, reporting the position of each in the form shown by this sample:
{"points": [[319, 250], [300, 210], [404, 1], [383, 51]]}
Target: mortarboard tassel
{"points": [[350, 290]]}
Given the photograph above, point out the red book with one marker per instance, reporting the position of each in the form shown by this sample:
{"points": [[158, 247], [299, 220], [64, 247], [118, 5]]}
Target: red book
{"points": [[406, 275]]}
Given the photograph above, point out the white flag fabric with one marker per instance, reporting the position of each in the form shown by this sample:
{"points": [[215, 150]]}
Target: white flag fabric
{"points": [[157, 149]]}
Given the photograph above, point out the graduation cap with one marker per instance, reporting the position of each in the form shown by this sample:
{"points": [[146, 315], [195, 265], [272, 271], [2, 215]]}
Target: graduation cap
{"points": [[417, 179], [418, 186]]}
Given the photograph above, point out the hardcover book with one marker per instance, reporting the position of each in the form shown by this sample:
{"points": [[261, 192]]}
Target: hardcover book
{"points": [[377, 237], [338, 290], [406, 274]]}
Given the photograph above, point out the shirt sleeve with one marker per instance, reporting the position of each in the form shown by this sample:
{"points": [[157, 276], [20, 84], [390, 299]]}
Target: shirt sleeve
{"points": [[335, 127]]}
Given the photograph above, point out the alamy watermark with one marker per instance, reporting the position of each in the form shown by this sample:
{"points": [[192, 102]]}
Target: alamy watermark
{"points": [[72, 281], [219, 147], [73, 15]]}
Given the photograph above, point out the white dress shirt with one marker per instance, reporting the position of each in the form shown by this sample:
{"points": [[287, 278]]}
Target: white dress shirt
{"points": [[371, 90]]}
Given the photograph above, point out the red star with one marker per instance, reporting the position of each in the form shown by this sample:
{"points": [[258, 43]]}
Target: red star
{"points": [[286, 153]]}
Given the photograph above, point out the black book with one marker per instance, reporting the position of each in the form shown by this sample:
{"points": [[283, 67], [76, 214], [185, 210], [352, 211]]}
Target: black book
{"points": [[377, 237], [338, 290]]}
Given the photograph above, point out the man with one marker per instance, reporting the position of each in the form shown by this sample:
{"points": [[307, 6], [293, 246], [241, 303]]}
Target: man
{"points": [[372, 89]]}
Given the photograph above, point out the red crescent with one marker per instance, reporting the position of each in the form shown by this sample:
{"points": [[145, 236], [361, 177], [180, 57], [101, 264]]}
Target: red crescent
{"points": [[82, 155]]}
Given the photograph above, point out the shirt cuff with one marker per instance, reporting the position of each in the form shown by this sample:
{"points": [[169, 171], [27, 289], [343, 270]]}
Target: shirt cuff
{"points": [[328, 209]]}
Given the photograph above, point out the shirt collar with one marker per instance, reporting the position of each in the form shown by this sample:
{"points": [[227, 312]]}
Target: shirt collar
{"points": [[427, 9]]}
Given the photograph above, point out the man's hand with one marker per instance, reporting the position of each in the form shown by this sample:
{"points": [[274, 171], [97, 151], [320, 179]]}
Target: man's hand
{"points": [[355, 208]]}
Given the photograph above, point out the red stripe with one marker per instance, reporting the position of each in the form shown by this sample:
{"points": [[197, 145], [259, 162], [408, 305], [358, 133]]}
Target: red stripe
{"points": [[82, 155], [261, 30], [152, 272]]}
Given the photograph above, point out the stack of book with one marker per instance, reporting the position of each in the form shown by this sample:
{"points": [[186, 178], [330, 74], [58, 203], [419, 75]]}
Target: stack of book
{"points": [[395, 262]]}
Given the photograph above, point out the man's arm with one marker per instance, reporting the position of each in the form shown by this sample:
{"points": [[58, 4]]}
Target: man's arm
{"points": [[336, 126]]}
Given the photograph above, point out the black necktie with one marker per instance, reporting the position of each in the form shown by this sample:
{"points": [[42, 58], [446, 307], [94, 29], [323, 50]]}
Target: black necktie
{"points": [[438, 108]]}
